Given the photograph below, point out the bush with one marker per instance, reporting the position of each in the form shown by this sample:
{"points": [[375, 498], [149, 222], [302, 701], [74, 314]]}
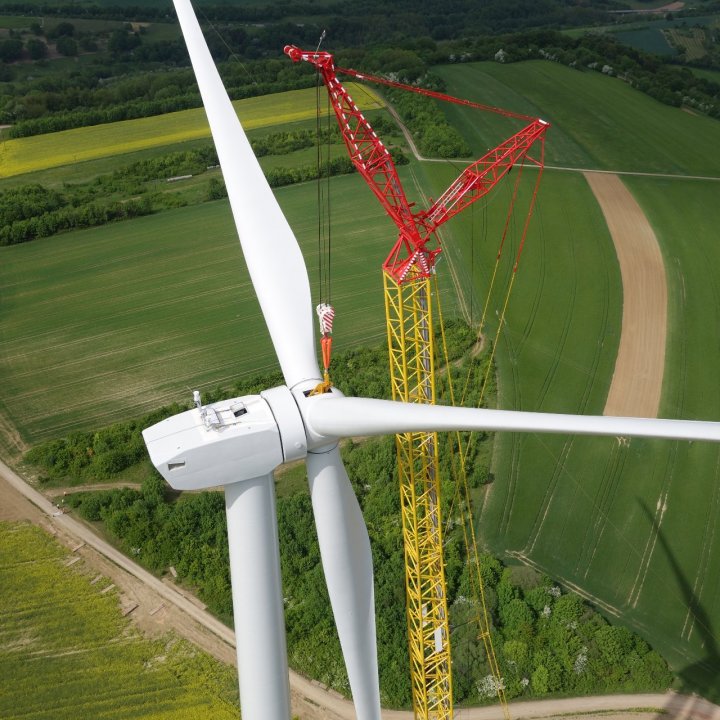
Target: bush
{"points": [[11, 50], [36, 48], [66, 46], [431, 130]]}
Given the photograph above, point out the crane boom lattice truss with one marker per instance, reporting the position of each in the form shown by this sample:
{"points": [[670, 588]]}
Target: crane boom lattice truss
{"points": [[407, 272], [411, 348]]}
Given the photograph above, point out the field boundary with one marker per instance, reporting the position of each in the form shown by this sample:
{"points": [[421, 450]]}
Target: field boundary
{"points": [[19, 156]]}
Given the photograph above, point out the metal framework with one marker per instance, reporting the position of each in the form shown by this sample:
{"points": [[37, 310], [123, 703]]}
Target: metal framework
{"points": [[408, 304], [411, 349]]}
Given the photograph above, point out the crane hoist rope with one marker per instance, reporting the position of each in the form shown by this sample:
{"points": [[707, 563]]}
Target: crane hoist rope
{"points": [[324, 309], [491, 286], [462, 491], [511, 285]]}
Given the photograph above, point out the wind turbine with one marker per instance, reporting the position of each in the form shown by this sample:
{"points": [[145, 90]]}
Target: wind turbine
{"points": [[238, 443]]}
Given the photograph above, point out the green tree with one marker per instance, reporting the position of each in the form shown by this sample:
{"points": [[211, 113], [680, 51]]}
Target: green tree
{"points": [[490, 570], [538, 598], [122, 41], [62, 29], [614, 643], [518, 619], [540, 680], [66, 46], [216, 189], [517, 655], [568, 610], [36, 48], [11, 50], [506, 589]]}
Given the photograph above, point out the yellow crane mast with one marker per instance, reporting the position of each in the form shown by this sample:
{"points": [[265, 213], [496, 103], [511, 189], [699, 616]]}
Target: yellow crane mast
{"points": [[408, 308]]}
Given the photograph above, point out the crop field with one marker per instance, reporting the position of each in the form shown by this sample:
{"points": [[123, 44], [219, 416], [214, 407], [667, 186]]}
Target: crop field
{"points": [[630, 524], [15, 21], [713, 75], [598, 122], [649, 39], [693, 42], [27, 155], [111, 322], [67, 652], [104, 324]]}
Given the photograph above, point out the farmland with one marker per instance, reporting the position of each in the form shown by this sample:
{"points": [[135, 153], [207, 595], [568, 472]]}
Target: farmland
{"points": [[28, 155], [106, 324], [67, 652], [103, 324], [639, 559], [598, 122]]}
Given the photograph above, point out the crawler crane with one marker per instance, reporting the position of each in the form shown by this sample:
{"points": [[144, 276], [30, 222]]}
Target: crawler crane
{"points": [[407, 274]]}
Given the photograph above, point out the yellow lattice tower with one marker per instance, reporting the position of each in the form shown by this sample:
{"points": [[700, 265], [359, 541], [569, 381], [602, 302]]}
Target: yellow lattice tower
{"points": [[410, 339], [412, 372], [411, 347]]}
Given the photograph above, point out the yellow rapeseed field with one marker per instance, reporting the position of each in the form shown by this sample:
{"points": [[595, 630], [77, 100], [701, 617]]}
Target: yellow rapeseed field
{"points": [[68, 653], [40, 152]]}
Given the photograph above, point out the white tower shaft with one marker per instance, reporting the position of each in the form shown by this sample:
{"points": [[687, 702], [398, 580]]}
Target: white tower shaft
{"points": [[257, 599]]}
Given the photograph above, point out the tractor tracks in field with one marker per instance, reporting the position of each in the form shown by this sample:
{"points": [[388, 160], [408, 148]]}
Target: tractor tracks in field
{"points": [[560, 467], [637, 379], [611, 475]]}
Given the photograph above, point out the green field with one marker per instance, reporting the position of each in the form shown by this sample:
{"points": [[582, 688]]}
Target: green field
{"points": [[713, 75], [67, 652], [598, 122], [588, 511], [16, 21], [32, 154], [649, 39], [111, 322]]}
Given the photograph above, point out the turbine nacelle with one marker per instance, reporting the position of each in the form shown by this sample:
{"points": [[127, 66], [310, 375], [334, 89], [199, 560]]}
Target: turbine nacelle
{"points": [[235, 440]]}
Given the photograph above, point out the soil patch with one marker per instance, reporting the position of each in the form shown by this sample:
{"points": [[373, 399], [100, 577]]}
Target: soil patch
{"points": [[637, 381]]}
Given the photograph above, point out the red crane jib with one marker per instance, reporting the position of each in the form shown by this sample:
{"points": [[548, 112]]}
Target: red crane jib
{"points": [[418, 245]]}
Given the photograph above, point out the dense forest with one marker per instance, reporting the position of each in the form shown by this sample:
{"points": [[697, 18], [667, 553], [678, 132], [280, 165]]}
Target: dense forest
{"points": [[548, 641], [140, 68]]}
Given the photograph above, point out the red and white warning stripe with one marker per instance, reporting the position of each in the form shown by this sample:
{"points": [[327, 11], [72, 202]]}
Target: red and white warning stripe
{"points": [[326, 315]]}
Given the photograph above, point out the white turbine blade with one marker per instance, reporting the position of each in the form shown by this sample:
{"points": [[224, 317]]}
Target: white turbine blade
{"points": [[348, 417], [271, 251], [347, 563]]}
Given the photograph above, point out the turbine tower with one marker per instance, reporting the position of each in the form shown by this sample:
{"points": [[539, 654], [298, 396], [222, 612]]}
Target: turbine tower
{"points": [[238, 443]]}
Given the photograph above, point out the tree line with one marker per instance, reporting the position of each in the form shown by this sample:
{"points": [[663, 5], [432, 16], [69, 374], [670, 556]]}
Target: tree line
{"points": [[40, 105], [33, 211], [433, 134], [63, 216], [133, 77], [601, 52], [548, 642]]}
